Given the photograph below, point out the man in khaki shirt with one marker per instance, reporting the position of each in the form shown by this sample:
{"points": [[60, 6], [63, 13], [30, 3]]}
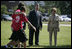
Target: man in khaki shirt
{"points": [[53, 26]]}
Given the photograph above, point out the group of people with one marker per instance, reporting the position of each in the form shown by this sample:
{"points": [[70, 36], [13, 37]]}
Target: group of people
{"points": [[34, 21]]}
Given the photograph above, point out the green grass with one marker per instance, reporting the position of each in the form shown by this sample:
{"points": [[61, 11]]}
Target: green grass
{"points": [[60, 22], [63, 37]]}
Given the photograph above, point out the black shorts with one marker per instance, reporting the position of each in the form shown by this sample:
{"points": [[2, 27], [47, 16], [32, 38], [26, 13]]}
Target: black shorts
{"points": [[18, 35]]}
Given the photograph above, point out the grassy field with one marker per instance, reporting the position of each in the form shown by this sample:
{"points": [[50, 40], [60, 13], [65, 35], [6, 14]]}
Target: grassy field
{"points": [[59, 22], [63, 37]]}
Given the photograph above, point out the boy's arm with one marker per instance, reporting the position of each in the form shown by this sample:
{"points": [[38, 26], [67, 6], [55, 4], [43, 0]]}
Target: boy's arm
{"points": [[31, 25], [26, 20]]}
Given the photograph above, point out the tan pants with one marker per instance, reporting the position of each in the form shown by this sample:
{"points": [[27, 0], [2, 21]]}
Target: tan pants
{"points": [[55, 37]]}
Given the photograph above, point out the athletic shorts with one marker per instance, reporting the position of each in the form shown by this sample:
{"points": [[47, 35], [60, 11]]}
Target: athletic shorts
{"points": [[18, 35]]}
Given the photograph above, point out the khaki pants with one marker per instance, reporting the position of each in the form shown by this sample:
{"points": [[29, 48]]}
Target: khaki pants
{"points": [[55, 37]]}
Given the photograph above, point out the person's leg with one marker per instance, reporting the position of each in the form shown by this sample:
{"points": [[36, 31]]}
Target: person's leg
{"points": [[55, 37], [37, 37], [50, 38], [13, 38], [24, 44], [18, 43], [31, 33], [22, 38], [10, 44]]}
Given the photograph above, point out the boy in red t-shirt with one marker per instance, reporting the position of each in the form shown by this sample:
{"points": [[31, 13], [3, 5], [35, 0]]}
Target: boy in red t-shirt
{"points": [[17, 27]]}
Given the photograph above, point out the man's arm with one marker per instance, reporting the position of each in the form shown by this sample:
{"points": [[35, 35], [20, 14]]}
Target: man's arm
{"points": [[40, 22]]}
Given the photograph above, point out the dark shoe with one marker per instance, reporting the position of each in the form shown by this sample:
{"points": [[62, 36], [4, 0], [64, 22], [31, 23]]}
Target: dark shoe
{"points": [[30, 44], [37, 44]]}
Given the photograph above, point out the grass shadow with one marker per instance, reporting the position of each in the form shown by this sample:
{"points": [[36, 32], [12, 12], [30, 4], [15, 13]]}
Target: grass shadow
{"points": [[45, 46]]}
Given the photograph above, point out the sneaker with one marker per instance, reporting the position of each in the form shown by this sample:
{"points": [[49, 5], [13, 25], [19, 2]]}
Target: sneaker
{"points": [[4, 47]]}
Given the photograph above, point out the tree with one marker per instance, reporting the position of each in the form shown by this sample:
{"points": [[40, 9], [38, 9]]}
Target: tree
{"points": [[64, 7], [3, 9], [27, 10], [15, 8], [31, 7], [42, 9]]}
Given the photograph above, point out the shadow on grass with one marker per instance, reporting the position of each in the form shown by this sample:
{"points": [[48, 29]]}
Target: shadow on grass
{"points": [[45, 46]]}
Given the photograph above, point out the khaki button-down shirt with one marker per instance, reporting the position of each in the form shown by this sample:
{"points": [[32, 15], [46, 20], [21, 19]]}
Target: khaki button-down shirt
{"points": [[53, 22]]}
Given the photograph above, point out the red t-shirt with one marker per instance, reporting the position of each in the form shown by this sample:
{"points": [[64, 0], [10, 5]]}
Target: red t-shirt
{"points": [[17, 21]]}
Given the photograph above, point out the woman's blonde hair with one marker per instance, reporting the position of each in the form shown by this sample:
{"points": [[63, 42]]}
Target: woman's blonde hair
{"points": [[54, 9]]}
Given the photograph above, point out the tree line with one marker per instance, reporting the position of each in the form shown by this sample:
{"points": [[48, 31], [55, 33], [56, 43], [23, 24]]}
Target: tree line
{"points": [[64, 7]]}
